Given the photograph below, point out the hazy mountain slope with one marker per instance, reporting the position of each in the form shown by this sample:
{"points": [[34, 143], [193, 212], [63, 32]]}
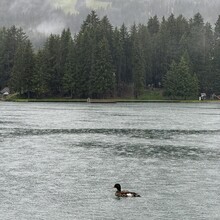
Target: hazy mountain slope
{"points": [[51, 16], [140, 10]]}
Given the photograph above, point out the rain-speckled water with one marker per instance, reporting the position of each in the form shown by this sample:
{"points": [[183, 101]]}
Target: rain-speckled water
{"points": [[60, 161]]}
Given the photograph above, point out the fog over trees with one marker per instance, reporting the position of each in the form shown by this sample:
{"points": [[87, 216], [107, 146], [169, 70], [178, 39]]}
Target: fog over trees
{"points": [[40, 17]]}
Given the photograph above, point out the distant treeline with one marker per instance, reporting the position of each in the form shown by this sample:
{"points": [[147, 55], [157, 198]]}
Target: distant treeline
{"points": [[182, 56]]}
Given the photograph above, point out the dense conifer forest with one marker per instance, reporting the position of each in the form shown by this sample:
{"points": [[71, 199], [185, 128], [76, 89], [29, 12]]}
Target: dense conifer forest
{"points": [[178, 55]]}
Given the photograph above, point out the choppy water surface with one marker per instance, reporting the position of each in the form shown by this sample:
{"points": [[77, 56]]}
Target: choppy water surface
{"points": [[60, 161]]}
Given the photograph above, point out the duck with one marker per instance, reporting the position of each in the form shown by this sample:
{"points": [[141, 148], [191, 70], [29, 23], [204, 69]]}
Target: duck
{"points": [[124, 193]]}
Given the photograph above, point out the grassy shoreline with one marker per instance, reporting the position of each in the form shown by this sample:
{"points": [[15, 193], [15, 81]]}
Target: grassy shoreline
{"points": [[106, 101], [149, 96]]}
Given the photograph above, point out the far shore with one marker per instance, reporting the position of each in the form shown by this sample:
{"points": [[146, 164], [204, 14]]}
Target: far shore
{"points": [[106, 101]]}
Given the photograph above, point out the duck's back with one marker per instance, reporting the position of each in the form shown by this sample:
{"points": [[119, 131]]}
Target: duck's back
{"points": [[126, 194]]}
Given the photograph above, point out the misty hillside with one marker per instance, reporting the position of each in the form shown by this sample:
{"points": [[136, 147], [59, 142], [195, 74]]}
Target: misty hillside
{"points": [[138, 10], [42, 17]]}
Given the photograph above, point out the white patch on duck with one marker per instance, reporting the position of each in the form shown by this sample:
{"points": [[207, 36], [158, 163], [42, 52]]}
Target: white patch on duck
{"points": [[130, 195]]}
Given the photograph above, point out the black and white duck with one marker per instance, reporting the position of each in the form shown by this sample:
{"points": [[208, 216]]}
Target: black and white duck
{"points": [[124, 193]]}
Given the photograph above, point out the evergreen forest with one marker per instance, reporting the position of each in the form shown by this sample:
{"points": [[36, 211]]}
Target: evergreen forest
{"points": [[179, 56]]}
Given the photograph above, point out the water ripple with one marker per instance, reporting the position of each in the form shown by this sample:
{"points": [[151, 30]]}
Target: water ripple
{"points": [[167, 152], [134, 133]]}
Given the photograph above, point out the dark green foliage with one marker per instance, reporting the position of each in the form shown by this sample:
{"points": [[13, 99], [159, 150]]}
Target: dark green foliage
{"points": [[196, 48], [3, 75], [153, 25], [70, 81], [39, 75], [102, 78], [179, 55], [145, 46], [215, 80], [23, 69], [121, 58], [11, 39], [86, 44], [179, 82], [52, 64], [138, 63]]}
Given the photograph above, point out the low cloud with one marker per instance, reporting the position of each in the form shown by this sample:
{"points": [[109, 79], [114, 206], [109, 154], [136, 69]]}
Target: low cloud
{"points": [[48, 27]]}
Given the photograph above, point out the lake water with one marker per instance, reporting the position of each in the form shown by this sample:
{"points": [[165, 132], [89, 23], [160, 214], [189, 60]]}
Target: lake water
{"points": [[61, 160]]}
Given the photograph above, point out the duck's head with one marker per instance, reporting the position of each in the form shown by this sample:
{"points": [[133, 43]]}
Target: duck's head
{"points": [[118, 187]]}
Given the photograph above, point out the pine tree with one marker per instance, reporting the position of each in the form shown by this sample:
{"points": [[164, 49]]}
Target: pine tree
{"points": [[206, 79], [159, 55], [197, 49], [138, 63], [171, 81], [3, 77], [22, 72], [121, 57], [12, 39], [39, 75], [70, 80], [125, 55], [18, 69], [146, 47], [118, 57], [102, 81], [179, 82], [216, 60], [86, 44], [106, 30], [138, 72], [153, 25], [29, 68], [52, 64]]}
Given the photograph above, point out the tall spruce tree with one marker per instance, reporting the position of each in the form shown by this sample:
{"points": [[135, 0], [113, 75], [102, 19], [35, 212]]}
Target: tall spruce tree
{"points": [[65, 46], [159, 55], [125, 55], [86, 44], [3, 77], [206, 79], [71, 74], [146, 47], [52, 64], [102, 79], [216, 59], [196, 48], [40, 87], [106, 30], [153, 25], [118, 60], [121, 57], [12, 39], [179, 83], [138, 63], [23, 68]]}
